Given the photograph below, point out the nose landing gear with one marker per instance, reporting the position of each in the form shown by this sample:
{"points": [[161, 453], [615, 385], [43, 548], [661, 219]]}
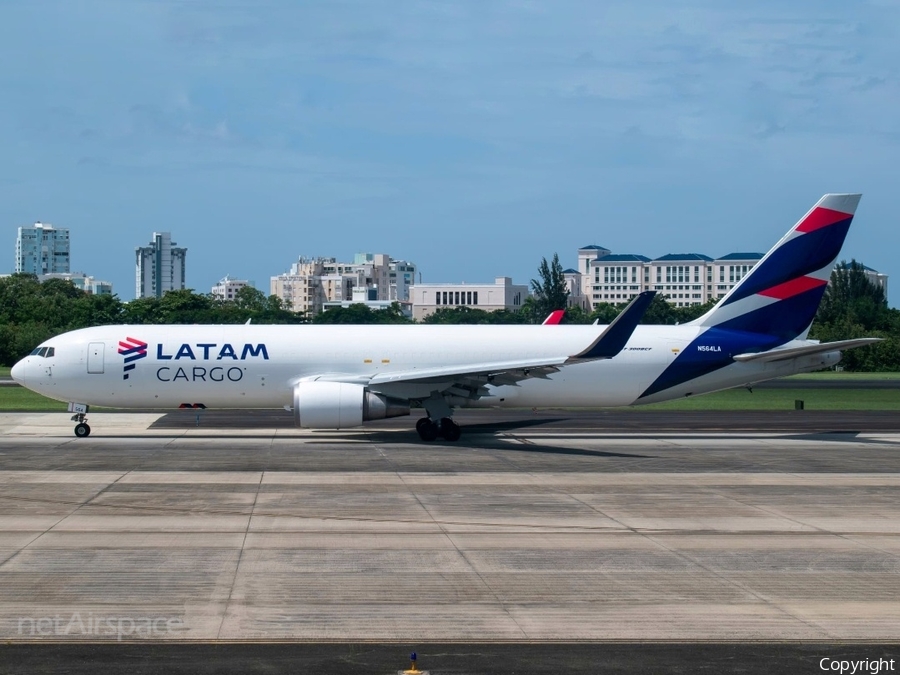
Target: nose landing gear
{"points": [[82, 429]]}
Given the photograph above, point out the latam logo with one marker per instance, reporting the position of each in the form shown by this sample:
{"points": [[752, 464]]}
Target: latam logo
{"points": [[133, 350]]}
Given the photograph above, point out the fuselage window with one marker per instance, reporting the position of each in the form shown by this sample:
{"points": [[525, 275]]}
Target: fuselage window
{"points": [[51, 351]]}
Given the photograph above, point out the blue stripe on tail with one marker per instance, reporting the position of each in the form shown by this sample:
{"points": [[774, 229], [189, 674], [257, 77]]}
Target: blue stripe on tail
{"points": [[796, 258]]}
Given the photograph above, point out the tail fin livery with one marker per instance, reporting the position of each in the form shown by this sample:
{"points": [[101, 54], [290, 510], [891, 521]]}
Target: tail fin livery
{"points": [[554, 318], [774, 304], [780, 295]]}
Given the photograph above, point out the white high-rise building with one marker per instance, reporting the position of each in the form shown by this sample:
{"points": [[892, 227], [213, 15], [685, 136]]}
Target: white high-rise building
{"points": [[42, 249], [159, 267], [228, 287]]}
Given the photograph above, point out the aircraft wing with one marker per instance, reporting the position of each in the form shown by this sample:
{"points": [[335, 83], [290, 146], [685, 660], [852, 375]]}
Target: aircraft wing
{"points": [[473, 377], [794, 352]]}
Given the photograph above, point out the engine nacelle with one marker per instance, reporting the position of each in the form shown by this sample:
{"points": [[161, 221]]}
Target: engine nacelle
{"points": [[338, 405]]}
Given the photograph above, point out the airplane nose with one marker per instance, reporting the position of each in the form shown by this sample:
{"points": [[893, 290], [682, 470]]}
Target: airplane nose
{"points": [[18, 372]]}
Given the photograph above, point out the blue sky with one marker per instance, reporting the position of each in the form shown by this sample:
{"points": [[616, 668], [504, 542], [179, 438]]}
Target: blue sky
{"points": [[472, 138]]}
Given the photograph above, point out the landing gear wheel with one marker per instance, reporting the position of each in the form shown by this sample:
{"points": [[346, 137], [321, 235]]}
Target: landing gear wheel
{"points": [[450, 430], [428, 430], [82, 430]]}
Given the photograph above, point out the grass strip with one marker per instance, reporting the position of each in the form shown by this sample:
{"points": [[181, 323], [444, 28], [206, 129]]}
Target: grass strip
{"points": [[831, 376], [783, 399]]}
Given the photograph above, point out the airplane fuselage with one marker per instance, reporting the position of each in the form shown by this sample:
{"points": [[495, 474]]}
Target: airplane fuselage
{"points": [[247, 366]]}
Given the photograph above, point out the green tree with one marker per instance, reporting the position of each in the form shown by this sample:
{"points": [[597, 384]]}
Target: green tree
{"points": [[184, 306], [550, 290], [576, 315], [691, 312], [459, 315], [852, 296], [96, 310], [141, 311], [251, 300], [660, 313], [361, 314], [853, 307]]}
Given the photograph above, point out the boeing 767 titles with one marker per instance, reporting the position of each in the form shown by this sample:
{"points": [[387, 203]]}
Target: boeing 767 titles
{"points": [[339, 376]]}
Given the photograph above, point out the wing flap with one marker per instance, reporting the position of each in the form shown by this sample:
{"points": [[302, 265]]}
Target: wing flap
{"points": [[529, 368]]}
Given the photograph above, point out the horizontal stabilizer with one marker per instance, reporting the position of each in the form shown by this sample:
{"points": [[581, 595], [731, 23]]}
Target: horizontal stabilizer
{"points": [[616, 336], [794, 352]]}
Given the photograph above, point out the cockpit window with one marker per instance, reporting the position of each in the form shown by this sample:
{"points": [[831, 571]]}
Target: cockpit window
{"points": [[45, 352]]}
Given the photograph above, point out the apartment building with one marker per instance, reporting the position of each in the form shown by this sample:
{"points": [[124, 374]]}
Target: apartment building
{"points": [[228, 287], [42, 249], [159, 266], [312, 284]]}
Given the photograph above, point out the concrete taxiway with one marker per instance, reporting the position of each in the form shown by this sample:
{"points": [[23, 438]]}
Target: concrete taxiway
{"points": [[558, 526]]}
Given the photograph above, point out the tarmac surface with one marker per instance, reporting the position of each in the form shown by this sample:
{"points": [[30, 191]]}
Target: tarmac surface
{"points": [[556, 541]]}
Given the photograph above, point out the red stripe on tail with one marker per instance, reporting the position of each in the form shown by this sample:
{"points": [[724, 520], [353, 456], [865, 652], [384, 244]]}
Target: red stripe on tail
{"points": [[793, 287], [821, 217]]}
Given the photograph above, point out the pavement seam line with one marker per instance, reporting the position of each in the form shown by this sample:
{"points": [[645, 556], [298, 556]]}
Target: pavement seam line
{"points": [[449, 538], [685, 557], [468, 562], [78, 506], [237, 565]]}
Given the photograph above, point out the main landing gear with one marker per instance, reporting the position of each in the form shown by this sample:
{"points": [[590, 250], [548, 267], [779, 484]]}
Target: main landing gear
{"points": [[438, 421], [446, 428]]}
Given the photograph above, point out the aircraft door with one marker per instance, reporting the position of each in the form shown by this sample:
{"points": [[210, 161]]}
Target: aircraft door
{"points": [[95, 358]]}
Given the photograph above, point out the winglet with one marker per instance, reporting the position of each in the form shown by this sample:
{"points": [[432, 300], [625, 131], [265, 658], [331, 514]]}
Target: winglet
{"points": [[554, 317], [611, 341]]}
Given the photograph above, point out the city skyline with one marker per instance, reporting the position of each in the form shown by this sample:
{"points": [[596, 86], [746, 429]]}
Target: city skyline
{"points": [[576, 259], [441, 132]]}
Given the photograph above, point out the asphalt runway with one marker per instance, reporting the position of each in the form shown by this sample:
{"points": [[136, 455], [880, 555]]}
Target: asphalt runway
{"points": [[556, 541]]}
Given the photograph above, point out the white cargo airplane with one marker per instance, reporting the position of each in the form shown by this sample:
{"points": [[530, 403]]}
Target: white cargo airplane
{"points": [[339, 376]]}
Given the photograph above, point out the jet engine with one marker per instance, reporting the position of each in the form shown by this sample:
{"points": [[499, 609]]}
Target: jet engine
{"points": [[338, 405]]}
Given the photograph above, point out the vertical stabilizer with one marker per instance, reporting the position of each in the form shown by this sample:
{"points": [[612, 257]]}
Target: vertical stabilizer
{"points": [[780, 295]]}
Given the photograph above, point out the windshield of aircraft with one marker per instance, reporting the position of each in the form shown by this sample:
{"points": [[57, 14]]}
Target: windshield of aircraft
{"points": [[45, 352]]}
